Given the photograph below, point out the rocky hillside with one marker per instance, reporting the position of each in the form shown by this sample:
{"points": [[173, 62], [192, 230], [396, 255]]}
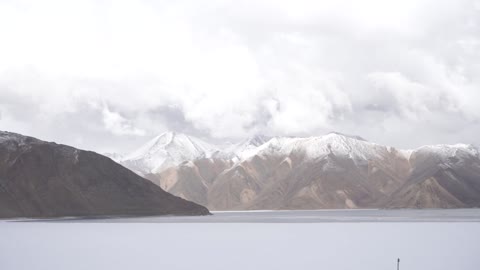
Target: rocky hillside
{"points": [[43, 179]]}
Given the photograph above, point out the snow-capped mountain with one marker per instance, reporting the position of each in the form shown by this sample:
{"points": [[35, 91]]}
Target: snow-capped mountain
{"points": [[317, 147], [171, 148], [445, 151], [166, 150], [330, 171]]}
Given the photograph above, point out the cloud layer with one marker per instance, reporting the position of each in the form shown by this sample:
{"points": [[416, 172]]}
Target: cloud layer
{"points": [[107, 75]]}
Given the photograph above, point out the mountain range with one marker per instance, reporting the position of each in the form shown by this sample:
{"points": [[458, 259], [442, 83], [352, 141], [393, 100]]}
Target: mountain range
{"points": [[330, 171], [44, 179]]}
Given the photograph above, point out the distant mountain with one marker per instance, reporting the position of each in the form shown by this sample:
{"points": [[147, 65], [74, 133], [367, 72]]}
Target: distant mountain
{"points": [[331, 171], [170, 149], [43, 179], [166, 150]]}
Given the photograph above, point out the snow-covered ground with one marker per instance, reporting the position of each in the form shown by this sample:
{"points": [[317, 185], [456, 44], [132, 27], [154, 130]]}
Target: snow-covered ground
{"points": [[149, 243]]}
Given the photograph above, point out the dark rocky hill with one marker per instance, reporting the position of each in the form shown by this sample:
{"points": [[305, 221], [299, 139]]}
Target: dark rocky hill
{"points": [[44, 179]]}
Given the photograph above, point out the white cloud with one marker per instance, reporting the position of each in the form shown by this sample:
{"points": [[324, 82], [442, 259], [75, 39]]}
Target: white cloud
{"points": [[231, 69], [409, 98], [118, 125]]}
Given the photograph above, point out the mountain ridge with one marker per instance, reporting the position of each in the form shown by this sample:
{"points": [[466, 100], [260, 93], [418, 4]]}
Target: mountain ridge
{"points": [[330, 171], [249, 147]]}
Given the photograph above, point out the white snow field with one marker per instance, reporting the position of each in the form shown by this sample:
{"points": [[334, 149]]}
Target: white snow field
{"points": [[422, 239]]}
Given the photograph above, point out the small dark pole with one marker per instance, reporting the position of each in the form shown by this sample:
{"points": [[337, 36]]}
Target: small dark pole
{"points": [[398, 264]]}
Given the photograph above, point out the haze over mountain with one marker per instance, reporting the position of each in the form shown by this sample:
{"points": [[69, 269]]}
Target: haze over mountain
{"points": [[245, 148], [331, 171], [44, 179]]}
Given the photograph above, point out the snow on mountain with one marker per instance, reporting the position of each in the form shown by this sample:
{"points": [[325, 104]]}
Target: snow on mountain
{"points": [[354, 147], [166, 150], [445, 150], [170, 149], [317, 147], [246, 148], [444, 155]]}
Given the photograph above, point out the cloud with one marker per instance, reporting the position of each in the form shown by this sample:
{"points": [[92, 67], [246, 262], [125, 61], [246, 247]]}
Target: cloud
{"points": [[408, 98], [118, 125], [127, 70]]}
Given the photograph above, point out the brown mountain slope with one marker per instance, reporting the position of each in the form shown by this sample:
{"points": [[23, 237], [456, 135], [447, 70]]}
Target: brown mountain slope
{"points": [[332, 181], [42, 179], [440, 181], [335, 171], [426, 194], [191, 179]]}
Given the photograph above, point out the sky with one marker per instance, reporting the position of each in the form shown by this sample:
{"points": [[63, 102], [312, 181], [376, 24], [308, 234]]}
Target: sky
{"points": [[109, 75]]}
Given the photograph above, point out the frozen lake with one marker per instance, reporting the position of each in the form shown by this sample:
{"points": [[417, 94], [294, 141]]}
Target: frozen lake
{"points": [[308, 216], [337, 239]]}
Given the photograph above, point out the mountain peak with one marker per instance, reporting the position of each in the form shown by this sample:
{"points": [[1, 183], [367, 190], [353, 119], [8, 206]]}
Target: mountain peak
{"points": [[159, 141], [169, 136], [165, 150]]}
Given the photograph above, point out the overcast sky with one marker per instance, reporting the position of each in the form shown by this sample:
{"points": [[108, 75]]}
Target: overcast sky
{"points": [[109, 75]]}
